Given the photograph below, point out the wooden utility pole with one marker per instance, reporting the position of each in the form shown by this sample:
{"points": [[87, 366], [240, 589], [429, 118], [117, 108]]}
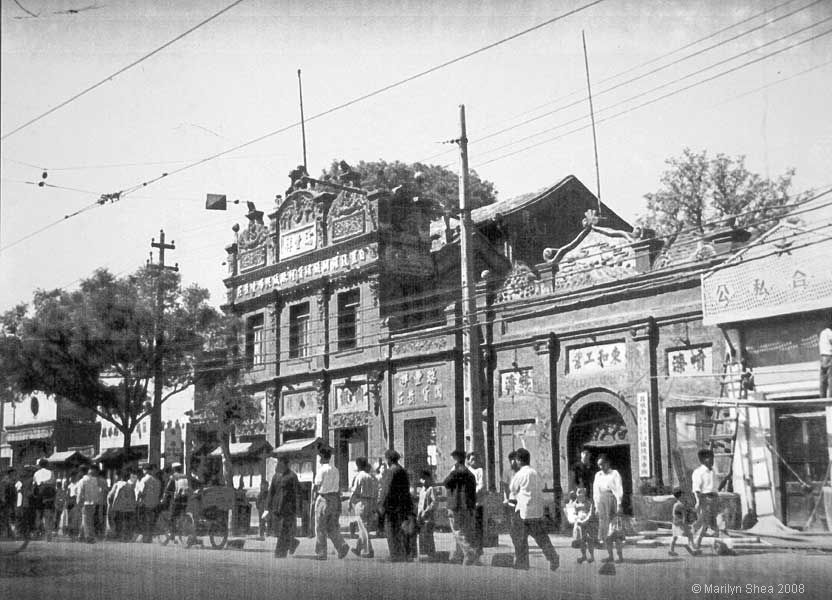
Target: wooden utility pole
{"points": [[470, 326], [154, 444]]}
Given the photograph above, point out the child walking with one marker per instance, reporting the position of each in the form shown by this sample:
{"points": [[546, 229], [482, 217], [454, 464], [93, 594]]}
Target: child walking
{"points": [[586, 525], [680, 525]]}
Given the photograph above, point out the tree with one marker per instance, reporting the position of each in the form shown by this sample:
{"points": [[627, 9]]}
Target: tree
{"points": [[697, 190], [441, 186], [227, 405], [95, 346]]}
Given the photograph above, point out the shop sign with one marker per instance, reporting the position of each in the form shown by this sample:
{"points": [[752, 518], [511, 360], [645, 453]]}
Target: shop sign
{"points": [[601, 358], [328, 266], [643, 422], [297, 241], [690, 361], [517, 382]]}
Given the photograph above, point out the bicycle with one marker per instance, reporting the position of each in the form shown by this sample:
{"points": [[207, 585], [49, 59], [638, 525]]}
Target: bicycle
{"points": [[184, 529]]}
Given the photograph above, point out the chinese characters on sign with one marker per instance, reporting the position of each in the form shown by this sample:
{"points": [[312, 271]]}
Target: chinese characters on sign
{"points": [[347, 260], [690, 361], [298, 241], [602, 358], [252, 259], [643, 416], [418, 386], [516, 382], [350, 398]]}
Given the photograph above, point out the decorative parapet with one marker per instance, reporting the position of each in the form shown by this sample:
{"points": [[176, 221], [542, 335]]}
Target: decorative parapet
{"points": [[297, 423]]}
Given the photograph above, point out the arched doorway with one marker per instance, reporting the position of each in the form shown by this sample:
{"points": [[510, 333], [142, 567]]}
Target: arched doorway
{"points": [[600, 428]]}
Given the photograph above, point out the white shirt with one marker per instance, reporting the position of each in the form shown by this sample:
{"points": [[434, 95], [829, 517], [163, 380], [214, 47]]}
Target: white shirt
{"points": [[44, 476], [703, 480], [327, 479], [527, 488], [478, 475], [825, 342], [607, 482]]}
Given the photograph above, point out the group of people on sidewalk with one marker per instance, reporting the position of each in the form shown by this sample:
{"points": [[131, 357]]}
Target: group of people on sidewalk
{"points": [[408, 522], [84, 507], [597, 519]]}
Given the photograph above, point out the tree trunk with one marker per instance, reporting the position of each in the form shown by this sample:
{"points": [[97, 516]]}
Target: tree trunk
{"points": [[228, 474]]}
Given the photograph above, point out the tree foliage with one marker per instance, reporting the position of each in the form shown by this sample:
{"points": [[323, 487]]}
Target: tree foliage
{"points": [[696, 190], [440, 187], [95, 345], [227, 405]]}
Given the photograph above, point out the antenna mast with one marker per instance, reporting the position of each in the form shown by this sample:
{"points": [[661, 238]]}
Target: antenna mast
{"points": [[302, 121], [592, 116]]}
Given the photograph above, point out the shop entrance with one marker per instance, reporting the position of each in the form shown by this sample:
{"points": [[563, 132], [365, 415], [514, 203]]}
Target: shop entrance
{"points": [[803, 462], [350, 443], [419, 446], [601, 429]]}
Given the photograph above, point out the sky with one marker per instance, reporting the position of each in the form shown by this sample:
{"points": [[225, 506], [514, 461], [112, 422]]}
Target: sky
{"points": [[234, 80]]}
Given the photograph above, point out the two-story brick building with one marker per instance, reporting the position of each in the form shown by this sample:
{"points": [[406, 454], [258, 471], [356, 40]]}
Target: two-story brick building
{"points": [[353, 333]]}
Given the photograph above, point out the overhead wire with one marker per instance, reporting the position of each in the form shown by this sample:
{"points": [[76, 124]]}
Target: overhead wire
{"points": [[136, 62], [440, 329], [442, 294], [663, 85], [663, 97], [654, 71], [604, 80]]}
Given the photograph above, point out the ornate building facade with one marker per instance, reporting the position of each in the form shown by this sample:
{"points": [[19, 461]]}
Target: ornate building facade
{"points": [[590, 330]]}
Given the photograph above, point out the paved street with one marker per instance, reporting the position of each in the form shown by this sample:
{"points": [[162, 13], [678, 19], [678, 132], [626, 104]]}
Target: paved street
{"points": [[110, 570]]}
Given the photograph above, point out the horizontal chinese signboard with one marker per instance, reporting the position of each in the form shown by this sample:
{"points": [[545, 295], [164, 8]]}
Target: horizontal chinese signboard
{"points": [[601, 358], [787, 272], [690, 361], [300, 274]]}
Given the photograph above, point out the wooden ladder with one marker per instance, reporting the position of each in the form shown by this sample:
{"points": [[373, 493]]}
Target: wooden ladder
{"points": [[724, 423]]}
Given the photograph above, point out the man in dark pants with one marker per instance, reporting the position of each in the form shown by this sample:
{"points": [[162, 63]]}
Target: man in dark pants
{"points": [[282, 505], [462, 500], [395, 505], [527, 489], [478, 539]]}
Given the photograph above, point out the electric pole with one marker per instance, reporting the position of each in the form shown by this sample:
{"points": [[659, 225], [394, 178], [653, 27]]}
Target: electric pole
{"points": [[470, 327], [154, 444]]}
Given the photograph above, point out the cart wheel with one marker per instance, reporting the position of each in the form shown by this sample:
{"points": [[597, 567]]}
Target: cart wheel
{"points": [[217, 534], [185, 530], [161, 530]]}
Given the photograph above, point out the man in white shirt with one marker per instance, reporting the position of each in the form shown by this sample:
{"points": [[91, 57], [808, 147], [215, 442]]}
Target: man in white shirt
{"points": [[704, 489], [44, 489], [328, 507], [527, 488], [148, 493], [825, 349], [472, 462], [89, 495]]}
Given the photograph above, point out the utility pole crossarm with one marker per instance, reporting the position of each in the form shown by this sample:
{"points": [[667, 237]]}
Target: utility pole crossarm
{"points": [[154, 446]]}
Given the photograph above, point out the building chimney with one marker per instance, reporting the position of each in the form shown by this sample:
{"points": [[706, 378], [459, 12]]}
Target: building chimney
{"points": [[646, 248]]}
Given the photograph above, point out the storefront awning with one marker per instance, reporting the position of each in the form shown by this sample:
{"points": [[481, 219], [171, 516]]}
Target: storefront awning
{"points": [[246, 449], [116, 455], [306, 445], [67, 456]]}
